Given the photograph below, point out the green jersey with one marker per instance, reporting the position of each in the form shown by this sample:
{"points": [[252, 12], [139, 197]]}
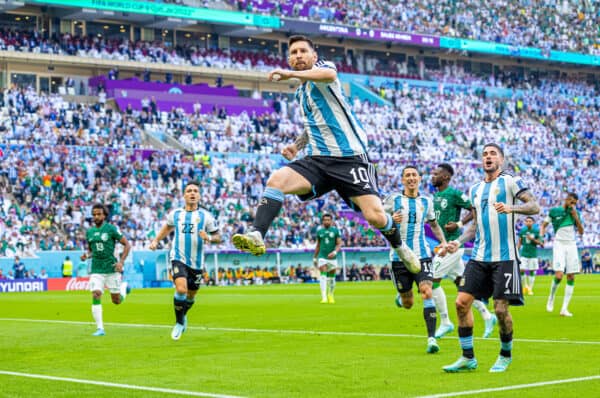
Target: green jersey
{"points": [[448, 205], [327, 238], [102, 244], [563, 223], [528, 246]]}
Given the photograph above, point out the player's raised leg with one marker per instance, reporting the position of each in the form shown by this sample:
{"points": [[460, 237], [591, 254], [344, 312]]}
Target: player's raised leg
{"points": [[373, 211], [282, 182]]}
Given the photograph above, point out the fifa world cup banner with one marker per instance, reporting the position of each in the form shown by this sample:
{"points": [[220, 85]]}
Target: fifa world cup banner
{"points": [[23, 285], [68, 283]]}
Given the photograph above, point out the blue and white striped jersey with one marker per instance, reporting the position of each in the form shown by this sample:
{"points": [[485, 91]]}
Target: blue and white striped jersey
{"points": [[187, 245], [415, 213], [332, 127], [495, 238]]}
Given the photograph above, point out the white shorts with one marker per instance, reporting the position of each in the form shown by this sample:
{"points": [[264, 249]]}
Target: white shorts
{"points": [[565, 257], [330, 264], [111, 281], [529, 264], [450, 266]]}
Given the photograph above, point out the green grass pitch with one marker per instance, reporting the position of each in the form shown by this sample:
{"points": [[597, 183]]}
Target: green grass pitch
{"points": [[278, 341]]}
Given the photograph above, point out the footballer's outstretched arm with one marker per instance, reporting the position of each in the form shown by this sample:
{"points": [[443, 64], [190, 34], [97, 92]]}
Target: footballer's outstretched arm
{"points": [[163, 233]]}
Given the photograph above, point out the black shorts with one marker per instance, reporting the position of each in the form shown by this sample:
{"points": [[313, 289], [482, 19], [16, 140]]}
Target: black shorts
{"points": [[403, 278], [497, 279], [349, 176], [193, 276]]}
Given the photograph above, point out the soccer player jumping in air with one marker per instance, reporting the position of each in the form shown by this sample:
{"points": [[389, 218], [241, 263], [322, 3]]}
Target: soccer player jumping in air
{"points": [[336, 158]]}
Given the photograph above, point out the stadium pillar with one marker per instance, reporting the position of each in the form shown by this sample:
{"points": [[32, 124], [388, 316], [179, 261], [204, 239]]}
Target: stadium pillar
{"points": [[278, 262]]}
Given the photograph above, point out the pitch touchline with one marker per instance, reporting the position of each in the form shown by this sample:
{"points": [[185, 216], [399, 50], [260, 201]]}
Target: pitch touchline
{"points": [[117, 385], [281, 331], [515, 387]]}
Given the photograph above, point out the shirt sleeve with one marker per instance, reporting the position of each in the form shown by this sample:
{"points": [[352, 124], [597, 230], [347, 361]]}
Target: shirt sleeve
{"points": [[117, 233], [211, 225], [326, 64], [516, 186], [462, 200], [171, 218], [430, 210]]}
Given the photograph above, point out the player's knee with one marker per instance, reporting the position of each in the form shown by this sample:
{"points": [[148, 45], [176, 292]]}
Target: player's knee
{"points": [[96, 294], [462, 306], [426, 292], [501, 313], [116, 300], [407, 303]]}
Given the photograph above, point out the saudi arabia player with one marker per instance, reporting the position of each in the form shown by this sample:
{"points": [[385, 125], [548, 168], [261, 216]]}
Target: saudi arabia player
{"points": [[448, 203], [106, 270], [565, 258], [411, 210], [329, 242], [192, 227], [529, 240]]}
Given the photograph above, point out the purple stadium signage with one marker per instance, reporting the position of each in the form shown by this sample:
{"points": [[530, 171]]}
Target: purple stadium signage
{"points": [[360, 33]]}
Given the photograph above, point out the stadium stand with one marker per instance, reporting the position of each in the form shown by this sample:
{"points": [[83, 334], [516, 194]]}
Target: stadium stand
{"points": [[567, 25]]}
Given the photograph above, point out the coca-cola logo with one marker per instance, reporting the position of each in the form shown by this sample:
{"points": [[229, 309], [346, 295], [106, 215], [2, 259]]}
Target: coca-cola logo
{"points": [[77, 284]]}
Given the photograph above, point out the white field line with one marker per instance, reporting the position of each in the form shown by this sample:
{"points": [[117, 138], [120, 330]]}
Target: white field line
{"points": [[514, 387], [117, 385], [286, 331]]}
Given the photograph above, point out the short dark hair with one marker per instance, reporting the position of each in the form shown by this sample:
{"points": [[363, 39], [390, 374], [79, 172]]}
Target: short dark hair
{"points": [[410, 166], [446, 167], [494, 145], [573, 195], [296, 38], [326, 215], [101, 207], [530, 218], [191, 183]]}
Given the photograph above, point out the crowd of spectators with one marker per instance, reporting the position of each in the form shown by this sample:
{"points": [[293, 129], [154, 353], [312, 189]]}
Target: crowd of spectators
{"points": [[549, 25], [62, 157]]}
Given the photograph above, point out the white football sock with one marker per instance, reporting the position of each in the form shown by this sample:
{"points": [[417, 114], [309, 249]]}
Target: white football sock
{"points": [[439, 296], [323, 285], [568, 294], [331, 283], [482, 308], [97, 313]]}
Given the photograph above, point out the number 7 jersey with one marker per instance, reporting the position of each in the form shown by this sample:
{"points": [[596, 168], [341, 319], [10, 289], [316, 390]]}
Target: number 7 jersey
{"points": [[495, 238], [187, 245]]}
